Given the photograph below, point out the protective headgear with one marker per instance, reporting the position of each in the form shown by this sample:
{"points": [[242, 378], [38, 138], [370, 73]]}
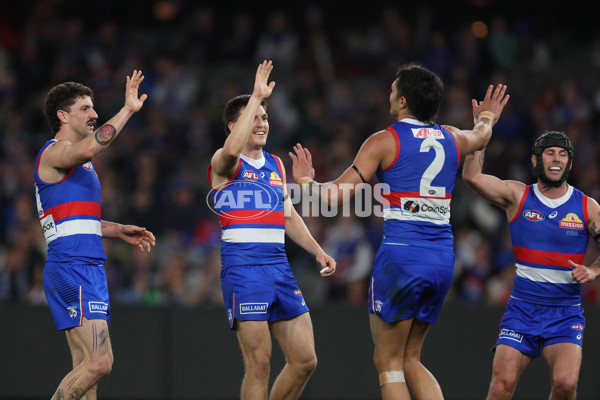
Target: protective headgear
{"points": [[551, 139]]}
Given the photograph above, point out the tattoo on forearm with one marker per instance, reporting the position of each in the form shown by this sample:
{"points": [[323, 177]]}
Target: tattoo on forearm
{"points": [[481, 157], [105, 134], [59, 395]]}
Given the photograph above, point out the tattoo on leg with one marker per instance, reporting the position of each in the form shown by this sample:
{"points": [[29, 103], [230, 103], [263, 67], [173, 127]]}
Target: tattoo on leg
{"points": [[76, 394], [105, 134], [59, 395], [103, 338], [72, 381]]}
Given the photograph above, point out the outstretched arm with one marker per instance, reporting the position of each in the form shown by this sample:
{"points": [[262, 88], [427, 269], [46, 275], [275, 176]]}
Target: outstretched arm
{"points": [[134, 235], [66, 155], [581, 273], [376, 152], [226, 158], [505, 194], [296, 229], [485, 114]]}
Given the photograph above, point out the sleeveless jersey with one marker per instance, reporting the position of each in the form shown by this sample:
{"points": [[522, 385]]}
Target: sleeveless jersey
{"points": [[545, 234], [421, 180], [70, 213], [250, 210]]}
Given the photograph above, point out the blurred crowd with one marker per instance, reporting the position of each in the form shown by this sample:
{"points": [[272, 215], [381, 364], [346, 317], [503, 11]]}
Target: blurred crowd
{"points": [[333, 75]]}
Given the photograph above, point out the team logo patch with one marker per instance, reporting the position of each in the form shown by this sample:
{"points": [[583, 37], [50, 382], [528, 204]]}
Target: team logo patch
{"points": [[275, 179], [249, 175], [87, 165], [378, 305], [423, 133], [253, 308], [98, 307], [72, 312], [297, 292], [571, 221], [532, 215], [511, 335]]}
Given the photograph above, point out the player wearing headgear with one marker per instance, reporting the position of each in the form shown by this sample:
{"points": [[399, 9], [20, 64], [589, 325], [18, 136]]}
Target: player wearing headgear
{"points": [[550, 225]]}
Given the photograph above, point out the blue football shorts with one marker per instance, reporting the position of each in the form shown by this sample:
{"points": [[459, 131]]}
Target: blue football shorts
{"points": [[261, 293], [409, 282], [75, 291], [529, 327]]}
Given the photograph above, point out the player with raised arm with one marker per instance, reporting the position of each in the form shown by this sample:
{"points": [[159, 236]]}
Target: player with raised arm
{"points": [[412, 272]]}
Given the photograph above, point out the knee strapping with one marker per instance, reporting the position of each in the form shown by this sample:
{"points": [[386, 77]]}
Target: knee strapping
{"points": [[391, 377]]}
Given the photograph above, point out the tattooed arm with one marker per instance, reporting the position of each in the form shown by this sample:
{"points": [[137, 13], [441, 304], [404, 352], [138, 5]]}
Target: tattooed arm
{"points": [[581, 273], [73, 147]]}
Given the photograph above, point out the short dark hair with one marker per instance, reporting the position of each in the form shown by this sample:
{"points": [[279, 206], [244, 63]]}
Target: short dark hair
{"points": [[233, 109], [62, 97], [422, 89]]}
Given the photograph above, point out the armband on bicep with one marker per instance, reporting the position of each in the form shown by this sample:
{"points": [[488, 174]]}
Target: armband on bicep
{"points": [[358, 172]]}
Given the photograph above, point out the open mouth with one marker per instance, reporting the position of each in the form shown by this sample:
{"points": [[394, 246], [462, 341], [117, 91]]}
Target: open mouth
{"points": [[260, 133]]}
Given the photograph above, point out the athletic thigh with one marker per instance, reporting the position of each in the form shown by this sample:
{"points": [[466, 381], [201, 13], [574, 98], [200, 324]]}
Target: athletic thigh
{"points": [[90, 341], [296, 337]]}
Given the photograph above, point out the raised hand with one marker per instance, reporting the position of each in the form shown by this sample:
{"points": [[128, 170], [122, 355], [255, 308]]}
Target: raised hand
{"points": [[132, 101], [494, 102], [301, 163], [262, 87]]}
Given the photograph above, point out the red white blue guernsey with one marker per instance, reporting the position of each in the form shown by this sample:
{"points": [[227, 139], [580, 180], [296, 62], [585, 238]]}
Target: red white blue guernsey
{"points": [[70, 213], [421, 179], [545, 234], [250, 210]]}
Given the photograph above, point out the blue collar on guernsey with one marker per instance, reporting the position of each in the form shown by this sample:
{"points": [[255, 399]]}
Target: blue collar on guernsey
{"points": [[258, 164]]}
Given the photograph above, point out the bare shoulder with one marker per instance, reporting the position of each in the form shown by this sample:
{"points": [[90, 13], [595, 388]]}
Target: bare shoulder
{"points": [[593, 209]]}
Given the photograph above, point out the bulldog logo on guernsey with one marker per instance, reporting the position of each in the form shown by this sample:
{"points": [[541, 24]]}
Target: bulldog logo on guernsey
{"points": [[571, 221]]}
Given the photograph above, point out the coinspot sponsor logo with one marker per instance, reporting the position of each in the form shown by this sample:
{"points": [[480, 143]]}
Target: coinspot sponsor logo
{"points": [[253, 308], [245, 199]]}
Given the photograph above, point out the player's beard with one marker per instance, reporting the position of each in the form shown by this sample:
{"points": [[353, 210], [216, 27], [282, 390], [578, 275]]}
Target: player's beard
{"points": [[540, 173]]}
